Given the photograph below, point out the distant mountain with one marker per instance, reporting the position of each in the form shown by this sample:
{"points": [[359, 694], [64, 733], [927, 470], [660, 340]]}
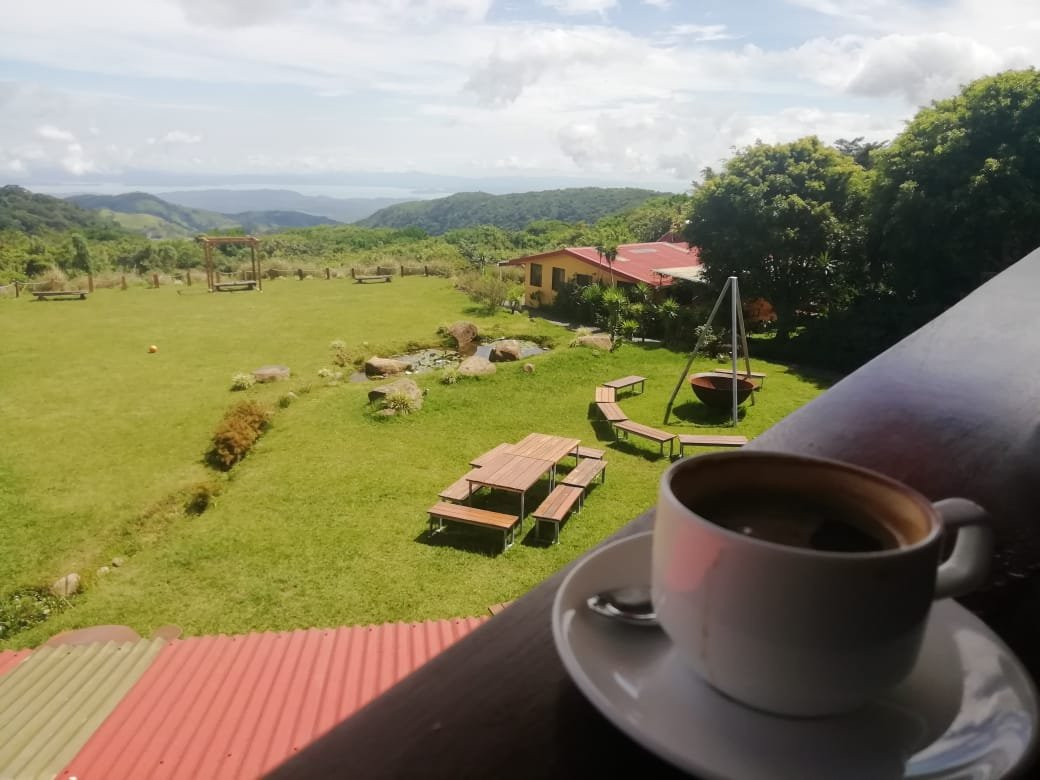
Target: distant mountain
{"points": [[511, 212], [268, 221], [33, 213], [153, 216], [157, 218], [235, 201]]}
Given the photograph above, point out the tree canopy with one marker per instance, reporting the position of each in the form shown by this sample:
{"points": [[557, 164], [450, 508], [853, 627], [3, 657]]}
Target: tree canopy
{"points": [[785, 219]]}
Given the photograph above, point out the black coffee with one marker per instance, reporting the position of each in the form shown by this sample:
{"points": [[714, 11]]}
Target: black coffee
{"points": [[798, 521]]}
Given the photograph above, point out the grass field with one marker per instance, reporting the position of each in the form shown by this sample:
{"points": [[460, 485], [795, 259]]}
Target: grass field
{"points": [[323, 523]]}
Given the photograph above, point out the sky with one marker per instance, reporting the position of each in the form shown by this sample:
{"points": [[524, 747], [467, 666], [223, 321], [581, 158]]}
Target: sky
{"points": [[431, 96]]}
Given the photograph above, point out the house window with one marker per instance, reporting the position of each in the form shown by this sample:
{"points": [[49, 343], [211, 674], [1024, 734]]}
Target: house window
{"points": [[582, 280], [558, 278], [536, 275]]}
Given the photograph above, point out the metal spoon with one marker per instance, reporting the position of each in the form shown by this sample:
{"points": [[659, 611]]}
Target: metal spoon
{"points": [[630, 604]]}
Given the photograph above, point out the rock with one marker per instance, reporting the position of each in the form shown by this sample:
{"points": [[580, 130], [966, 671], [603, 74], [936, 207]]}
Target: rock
{"points": [[595, 341], [101, 572], [271, 373], [66, 586], [502, 351], [377, 366], [406, 386], [528, 368], [464, 333], [476, 366], [117, 562], [386, 413]]}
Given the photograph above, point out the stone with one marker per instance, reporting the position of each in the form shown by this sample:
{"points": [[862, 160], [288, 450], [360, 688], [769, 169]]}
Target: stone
{"points": [[595, 341], [528, 368], [271, 373], [503, 351], [464, 333], [476, 366], [406, 386], [117, 562], [377, 366], [66, 586], [102, 571]]}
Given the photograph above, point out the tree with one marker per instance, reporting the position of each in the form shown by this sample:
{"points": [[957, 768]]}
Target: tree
{"points": [[81, 260], [859, 150], [608, 252], [957, 194], [787, 220]]}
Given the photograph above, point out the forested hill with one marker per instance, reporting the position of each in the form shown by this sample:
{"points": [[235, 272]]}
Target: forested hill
{"points": [[510, 212], [31, 213]]}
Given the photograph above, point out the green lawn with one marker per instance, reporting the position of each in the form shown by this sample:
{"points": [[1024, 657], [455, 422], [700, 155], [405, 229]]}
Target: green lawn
{"points": [[323, 524]]}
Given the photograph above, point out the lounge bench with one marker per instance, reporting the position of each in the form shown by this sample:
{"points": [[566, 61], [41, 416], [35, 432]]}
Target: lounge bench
{"points": [[605, 395], [585, 472], [611, 412], [589, 452], [646, 432], [67, 295], [245, 284], [373, 278], [555, 507], [468, 515], [694, 440], [627, 381]]}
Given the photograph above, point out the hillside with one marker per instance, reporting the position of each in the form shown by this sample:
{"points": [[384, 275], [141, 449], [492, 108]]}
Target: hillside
{"points": [[510, 212], [268, 221], [234, 201], [32, 213]]}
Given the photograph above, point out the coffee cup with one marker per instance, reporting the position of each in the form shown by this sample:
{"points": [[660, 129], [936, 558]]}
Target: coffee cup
{"points": [[802, 586]]}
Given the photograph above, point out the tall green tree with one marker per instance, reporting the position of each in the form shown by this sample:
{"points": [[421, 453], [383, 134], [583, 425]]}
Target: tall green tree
{"points": [[787, 220], [957, 193], [81, 259]]}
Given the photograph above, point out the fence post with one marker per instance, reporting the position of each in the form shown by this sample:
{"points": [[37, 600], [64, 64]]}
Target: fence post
{"points": [[155, 280], [187, 275], [122, 281], [299, 274], [17, 284], [90, 282], [328, 274], [426, 270]]}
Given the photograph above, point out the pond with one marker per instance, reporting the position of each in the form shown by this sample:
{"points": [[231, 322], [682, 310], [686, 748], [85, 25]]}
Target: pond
{"points": [[427, 360]]}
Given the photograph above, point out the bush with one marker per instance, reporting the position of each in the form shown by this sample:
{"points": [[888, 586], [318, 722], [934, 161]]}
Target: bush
{"points": [[450, 376], [200, 496], [243, 424], [402, 403], [242, 381], [25, 608]]}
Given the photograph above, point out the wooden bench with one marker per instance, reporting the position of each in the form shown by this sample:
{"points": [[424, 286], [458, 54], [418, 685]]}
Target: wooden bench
{"points": [[468, 515], [627, 381], [589, 452], [585, 472], [612, 412], [753, 375], [60, 295], [245, 284], [695, 440], [460, 490], [373, 278], [646, 432], [605, 395], [555, 507], [490, 455]]}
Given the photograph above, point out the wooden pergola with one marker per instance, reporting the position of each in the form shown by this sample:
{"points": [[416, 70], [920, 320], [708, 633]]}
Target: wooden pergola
{"points": [[208, 242]]}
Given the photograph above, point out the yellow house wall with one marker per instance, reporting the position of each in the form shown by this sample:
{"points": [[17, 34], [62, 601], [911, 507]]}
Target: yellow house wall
{"points": [[571, 266]]}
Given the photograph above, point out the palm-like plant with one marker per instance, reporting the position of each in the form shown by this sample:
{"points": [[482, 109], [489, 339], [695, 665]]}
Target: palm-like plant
{"points": [[608, 252]]}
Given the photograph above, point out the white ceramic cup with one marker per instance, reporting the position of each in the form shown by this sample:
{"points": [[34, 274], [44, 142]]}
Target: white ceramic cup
{"points": [[794, 630]]}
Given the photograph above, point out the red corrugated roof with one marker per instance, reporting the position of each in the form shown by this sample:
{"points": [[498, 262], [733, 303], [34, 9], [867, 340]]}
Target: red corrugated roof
{"points": [[634, 262], [9, 659], [236, 706]]}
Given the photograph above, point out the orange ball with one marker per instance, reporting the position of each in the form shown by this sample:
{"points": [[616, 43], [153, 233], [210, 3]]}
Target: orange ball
{"points": [[153, 348]]}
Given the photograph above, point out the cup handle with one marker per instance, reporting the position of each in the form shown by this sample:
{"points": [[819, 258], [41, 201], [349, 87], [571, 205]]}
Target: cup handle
{"points": [[968, 564]]}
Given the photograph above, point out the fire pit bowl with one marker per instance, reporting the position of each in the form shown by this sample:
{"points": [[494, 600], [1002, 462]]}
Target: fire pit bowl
{"points": [[716, 390]]}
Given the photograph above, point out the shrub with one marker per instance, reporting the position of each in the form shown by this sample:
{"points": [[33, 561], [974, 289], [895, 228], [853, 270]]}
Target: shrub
{"points": [[402, 403], [200, 496], [450, 376], [242, 381], [242, 425], [26, 607]]}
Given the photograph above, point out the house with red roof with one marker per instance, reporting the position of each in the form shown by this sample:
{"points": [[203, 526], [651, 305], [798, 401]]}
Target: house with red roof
{"points": [[657, 263]]}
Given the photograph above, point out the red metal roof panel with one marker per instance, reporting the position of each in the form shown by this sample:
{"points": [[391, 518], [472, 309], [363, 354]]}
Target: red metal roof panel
{"points": [[9, 659], [236, 706], [634, 262]]}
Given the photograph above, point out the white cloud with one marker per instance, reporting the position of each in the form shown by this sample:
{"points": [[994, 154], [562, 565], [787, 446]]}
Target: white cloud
{"points": [[578, 7], [658, 3], [698, 33], [180, 137], [52, 133]]}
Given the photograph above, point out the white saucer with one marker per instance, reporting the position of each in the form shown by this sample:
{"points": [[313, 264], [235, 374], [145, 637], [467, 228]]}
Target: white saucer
{"points": [[968, 710]]}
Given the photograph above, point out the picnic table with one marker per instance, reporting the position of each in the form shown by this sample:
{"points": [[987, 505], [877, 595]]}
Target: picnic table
{"points": [[627, 381], [511, 472], [546, 447]]}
